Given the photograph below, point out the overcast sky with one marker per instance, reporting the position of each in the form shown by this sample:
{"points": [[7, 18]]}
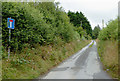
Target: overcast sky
{"points": [[94, 10]]}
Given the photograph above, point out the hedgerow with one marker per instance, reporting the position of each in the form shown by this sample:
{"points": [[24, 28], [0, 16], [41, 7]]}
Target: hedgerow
{"points": [[110, 32], [36, 23]]}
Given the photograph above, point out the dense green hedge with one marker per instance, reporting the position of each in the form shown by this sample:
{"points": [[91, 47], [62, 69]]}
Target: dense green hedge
{"points": [[43, 23], [110, 32]]}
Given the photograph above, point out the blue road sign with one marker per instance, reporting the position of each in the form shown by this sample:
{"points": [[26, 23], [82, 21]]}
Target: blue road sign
{"points": [[10, 23]]}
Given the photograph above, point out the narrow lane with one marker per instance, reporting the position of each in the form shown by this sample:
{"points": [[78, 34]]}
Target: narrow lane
{"points": [[83, 65]]}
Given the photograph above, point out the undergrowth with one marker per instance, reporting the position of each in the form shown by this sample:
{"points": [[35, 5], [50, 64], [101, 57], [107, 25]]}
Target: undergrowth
{"points": [[108, 52], [33, 62]]}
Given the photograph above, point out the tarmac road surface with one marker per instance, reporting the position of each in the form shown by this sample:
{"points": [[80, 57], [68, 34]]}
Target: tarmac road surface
{"points": [[83, 65]]}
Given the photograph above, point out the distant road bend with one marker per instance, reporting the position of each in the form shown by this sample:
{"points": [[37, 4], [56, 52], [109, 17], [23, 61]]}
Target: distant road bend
{"points": [[83, 65]]}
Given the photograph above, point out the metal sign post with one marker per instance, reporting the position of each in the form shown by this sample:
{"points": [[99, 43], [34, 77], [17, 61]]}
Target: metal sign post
{"points": [[9, 43], [10, 23]]}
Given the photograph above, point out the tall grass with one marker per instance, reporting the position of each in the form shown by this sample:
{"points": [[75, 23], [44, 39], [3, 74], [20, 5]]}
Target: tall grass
{"points": [[108, 51], [32, 63]]}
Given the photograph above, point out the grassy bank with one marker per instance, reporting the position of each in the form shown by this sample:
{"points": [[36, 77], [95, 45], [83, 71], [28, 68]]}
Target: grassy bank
{"points": [[31, 63], [91, 45], [0, 70], [108, 51]]}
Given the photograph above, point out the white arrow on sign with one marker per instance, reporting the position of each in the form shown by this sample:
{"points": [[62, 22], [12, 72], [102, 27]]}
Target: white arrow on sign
{"points": [[10, 24]]}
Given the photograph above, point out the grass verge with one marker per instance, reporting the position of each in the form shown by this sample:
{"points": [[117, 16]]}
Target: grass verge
{"points": [[91, 45], [0, 70], [108, 52], [32, 63]]}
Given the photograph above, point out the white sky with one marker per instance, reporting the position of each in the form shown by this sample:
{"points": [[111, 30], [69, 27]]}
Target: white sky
{"points": [[94, 10]]}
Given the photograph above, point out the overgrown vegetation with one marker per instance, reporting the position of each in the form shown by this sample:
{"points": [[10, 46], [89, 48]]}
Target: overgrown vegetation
{"points": [[42, 23], [81, 22], [108, 47], [1, 59], [42, 38], [108, 51], [91, 45], [95, 32], [31, 64], [110, 32]]}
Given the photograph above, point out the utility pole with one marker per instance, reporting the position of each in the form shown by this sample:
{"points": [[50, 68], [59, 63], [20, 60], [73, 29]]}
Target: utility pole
{"points": [[34, 2], [27, 1], [103, 23], [22, 1], [81, 23]]}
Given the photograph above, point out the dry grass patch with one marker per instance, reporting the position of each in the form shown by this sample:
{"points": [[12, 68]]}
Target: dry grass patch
{"points": [[108, 51]]}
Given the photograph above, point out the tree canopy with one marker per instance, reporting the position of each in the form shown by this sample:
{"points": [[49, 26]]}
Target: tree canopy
{"points": [[110, 32], [95, 32], [78, 19], [42, 23]]}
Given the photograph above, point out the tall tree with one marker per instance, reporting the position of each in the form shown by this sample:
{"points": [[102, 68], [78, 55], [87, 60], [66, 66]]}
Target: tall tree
{"points": [[95, 32], [78, 19]]}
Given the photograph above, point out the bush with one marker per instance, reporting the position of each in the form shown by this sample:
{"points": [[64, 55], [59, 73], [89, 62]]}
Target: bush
{"points": [[39, 24], [110, 32]]}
